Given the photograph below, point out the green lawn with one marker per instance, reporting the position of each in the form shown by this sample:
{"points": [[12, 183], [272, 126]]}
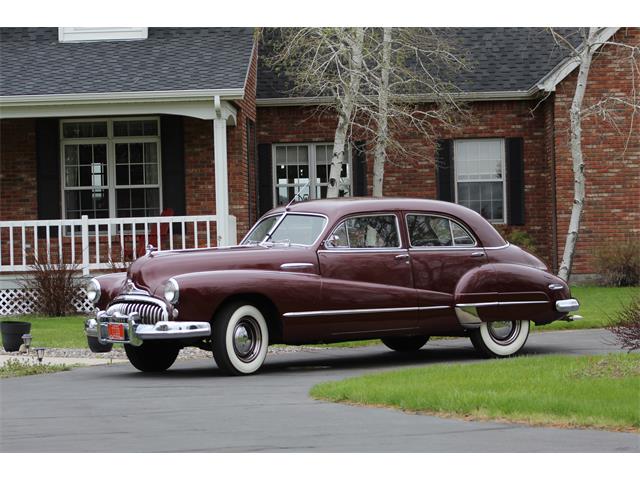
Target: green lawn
{"points": [[597, 303], [597, 306], [20, 368], [598, 391]]}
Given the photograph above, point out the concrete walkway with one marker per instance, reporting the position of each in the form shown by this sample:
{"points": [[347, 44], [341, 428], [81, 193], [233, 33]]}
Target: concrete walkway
{"points": [[82, 361]]}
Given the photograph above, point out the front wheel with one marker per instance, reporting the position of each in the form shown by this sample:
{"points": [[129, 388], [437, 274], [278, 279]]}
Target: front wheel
{"points": [[240, 339], [405, 344], [500, 339], [152, 356]]}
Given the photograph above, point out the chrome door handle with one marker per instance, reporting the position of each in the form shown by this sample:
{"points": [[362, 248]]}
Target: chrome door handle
{"points": [[477, 254], [402, 256]]}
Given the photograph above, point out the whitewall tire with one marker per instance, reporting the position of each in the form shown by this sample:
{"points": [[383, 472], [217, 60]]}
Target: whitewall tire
{"points": [[500, 339], [240, 339]]}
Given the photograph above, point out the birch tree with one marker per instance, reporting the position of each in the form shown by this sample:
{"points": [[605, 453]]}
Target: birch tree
{"points": [[379, 81], [325, 62], [591, 41]]}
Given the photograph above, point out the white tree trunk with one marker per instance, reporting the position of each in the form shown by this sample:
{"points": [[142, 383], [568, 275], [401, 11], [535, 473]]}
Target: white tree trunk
{"points": [[576, 155], [382, 135], [345, 112]]}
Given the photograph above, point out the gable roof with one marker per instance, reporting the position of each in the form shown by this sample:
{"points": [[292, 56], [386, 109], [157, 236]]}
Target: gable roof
{"points": [[34, 63], [503, 62]]}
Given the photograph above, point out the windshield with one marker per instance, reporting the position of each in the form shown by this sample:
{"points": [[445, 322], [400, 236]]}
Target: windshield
{"points": [[293, 229], [260, 231]]}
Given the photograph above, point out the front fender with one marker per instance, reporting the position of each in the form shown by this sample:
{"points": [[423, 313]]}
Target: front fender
{"points": [[111, 284], [201, 293]]}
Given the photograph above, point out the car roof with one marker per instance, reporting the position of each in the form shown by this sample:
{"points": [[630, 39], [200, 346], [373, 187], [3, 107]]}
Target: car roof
{"points": [[336, 208]]}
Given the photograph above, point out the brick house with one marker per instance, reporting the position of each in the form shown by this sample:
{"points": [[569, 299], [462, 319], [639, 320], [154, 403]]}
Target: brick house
{"points": [[186, 132]]}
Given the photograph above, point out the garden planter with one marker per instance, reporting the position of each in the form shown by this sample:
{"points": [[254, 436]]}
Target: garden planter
{"points": [[12, 334]]}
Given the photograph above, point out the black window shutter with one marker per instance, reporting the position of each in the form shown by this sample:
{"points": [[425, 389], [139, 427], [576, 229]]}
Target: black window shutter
{"points": [[172, 139], [265, 179], [515, 180], [359, 164], [48, 168], [445, 188]]}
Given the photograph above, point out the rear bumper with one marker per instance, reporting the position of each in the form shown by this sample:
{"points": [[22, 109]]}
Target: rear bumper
{"points": [[568, 305], [136, 332]]}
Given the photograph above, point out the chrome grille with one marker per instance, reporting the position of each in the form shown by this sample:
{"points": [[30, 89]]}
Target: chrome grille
{"points": [[150, 313]]}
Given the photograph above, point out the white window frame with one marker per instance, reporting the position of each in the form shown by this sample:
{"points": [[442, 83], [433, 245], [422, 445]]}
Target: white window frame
{"points": [[311, 156], [456, 143], [101, 34], [111, 142]]}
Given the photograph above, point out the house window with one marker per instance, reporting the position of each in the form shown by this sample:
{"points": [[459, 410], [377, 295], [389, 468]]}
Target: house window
{"points": [[97, 34], [304, 169], [111, 168], [480, 172]]}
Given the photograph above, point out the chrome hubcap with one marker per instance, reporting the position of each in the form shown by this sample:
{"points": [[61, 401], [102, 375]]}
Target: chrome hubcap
{"points": [[504, 333], [247, 339]]}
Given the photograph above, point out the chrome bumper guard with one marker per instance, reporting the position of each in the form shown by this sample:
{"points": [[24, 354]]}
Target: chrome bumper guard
{"points": [[136, 332], [569, 305]]}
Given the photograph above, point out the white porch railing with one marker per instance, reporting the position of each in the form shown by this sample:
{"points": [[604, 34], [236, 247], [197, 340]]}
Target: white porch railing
{"points": [[102, 243]]}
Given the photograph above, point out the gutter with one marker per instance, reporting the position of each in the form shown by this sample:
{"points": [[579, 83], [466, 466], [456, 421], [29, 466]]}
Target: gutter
{"points": [[119, 97], [530, 94]]}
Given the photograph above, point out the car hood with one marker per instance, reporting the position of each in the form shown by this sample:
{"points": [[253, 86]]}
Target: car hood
{"points": [[152, 271]]}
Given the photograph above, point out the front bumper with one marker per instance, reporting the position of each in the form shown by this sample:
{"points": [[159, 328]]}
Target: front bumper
{"points": [[135, 332]]}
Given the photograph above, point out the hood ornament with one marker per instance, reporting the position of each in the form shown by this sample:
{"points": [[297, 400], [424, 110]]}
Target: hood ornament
{"points": [[150, 249]]}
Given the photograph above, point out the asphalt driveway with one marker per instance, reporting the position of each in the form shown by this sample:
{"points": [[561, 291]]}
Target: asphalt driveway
{"points": [[193, 408]]}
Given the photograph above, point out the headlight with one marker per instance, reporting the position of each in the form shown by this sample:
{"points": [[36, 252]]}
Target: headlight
{"points": [[93, 291], [171, 291]]}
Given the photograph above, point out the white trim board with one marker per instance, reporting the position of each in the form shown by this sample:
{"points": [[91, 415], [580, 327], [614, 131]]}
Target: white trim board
{"points": [[202, 109]]}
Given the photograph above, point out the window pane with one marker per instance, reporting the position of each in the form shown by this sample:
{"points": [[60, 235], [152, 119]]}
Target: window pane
{"points": [[135, 153], [429, 231], [340, 238], [486, 198], [71, 154], [122, 153], [135, 128], [460, 235], [86, 155], [479, 159], [84, 129], [372, 232], [151, 153], [93, 203]]}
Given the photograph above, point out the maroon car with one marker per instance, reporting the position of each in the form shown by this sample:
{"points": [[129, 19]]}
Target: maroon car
{"points": [[329, 271]]}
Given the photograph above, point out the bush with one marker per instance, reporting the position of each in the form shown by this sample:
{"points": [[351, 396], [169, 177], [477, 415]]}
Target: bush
{"points": [[626, 326], [519, 238], [52, 287], [619, 264]]}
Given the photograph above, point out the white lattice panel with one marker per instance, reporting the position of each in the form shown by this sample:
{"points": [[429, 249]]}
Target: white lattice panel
{"points": [[15, 301]]}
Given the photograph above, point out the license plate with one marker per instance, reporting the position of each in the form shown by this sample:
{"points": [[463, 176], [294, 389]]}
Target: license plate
{"points": [[116, 331]]}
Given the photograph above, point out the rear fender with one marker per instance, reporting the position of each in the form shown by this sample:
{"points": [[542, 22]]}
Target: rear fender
{"points": [[497, 291]]}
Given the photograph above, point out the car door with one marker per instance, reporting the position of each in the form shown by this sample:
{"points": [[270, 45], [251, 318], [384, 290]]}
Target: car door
{"points": [[442, 250], [367, 287]]}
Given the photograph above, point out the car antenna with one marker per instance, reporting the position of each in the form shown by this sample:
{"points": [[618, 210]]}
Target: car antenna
{"points": [[306, 185]]}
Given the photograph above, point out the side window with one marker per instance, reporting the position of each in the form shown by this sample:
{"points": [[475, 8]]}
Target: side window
{"points": [[432, 231], [376, 231]]}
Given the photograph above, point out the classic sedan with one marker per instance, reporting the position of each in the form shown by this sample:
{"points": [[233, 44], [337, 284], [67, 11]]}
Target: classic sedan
{"points": [[327, 271]]}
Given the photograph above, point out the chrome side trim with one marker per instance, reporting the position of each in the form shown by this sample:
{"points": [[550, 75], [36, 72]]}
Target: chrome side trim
{"points": [[294, 266], [498, 304], [569, 305], [357, 311]]}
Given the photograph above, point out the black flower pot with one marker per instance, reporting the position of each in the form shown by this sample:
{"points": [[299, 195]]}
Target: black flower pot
{"points": [[12, 334]]}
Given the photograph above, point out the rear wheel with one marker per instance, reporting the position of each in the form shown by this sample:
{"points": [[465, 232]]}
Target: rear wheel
{"points": [[405, 344], [152, 356], [500, 339], [240, 339]]}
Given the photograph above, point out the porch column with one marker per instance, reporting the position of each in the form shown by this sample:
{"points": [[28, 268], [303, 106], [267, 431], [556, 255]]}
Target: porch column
{"points": [[222, 181]]}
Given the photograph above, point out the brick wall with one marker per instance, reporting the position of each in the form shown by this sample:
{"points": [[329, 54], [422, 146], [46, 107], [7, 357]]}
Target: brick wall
{"points": [[415, 177], [611, 156], [18, 192]]}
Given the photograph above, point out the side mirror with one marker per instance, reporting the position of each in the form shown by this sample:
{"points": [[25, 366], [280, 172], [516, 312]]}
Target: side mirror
{"points": [[331, 241]]}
